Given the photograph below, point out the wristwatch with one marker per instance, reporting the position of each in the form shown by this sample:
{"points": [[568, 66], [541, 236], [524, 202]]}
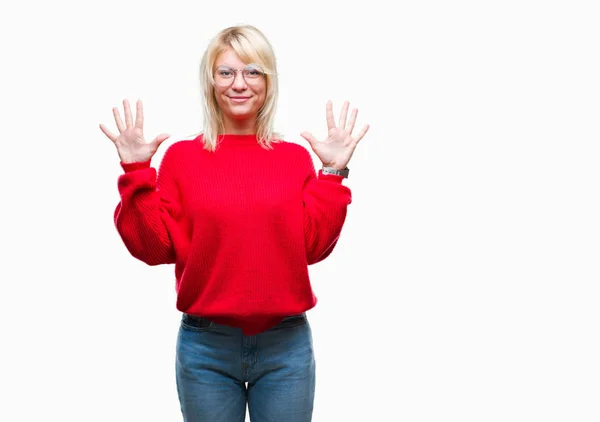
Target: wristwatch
{"points": [[330, 170]]}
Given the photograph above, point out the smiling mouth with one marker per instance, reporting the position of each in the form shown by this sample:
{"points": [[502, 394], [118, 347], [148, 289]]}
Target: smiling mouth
{"points": [[239, 99]]}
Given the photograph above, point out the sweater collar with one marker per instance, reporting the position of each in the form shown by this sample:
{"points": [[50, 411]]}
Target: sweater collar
{"points": [[233, 139]]}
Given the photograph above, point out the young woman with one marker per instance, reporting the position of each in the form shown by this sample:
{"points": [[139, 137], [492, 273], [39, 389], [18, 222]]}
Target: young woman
{"points": [[241, 213]]}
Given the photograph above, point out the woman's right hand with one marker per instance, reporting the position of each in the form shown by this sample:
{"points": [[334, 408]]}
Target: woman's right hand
{"points": [[130, 143]]}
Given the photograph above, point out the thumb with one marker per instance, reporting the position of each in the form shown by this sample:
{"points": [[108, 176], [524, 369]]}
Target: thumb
{"points": [[160, 139], [310, 138]]}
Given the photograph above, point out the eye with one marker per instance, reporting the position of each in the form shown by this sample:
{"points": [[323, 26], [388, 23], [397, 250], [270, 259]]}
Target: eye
{"points": [[252, 72], [225, 72]]}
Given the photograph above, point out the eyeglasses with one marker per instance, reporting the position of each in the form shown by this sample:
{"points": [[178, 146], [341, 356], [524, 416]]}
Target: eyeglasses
{"points": [[225, 75]]}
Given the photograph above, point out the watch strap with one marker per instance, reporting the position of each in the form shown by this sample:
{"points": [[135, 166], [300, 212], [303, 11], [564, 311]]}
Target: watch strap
{"points": [[330, 170]]}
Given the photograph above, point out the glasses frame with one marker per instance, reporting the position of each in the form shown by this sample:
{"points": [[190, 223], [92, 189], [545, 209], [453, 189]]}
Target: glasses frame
{"points": [[251, 66]]}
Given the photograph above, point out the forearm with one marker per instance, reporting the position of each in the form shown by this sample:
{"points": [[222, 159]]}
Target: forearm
{"points": [[143, 215], [326, 202]]}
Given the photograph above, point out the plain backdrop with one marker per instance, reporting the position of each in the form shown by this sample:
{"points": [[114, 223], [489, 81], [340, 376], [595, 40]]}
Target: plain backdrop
{"points": [[465, 286]]}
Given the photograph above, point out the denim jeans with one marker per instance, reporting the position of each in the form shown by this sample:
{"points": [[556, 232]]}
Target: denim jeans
{"points": [[214, 362]]}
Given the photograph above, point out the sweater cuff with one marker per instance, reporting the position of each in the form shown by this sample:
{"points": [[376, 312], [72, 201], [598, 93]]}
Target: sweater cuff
{"points": [[330, 177], [140, 165]]}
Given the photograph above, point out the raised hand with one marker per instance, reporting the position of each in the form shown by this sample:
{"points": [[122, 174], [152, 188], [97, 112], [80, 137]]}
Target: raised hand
{"points": [[130, 142], [337, 149]]}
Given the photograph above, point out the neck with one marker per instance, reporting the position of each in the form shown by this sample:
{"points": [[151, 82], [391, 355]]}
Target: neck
{"points": [[240, 127]]}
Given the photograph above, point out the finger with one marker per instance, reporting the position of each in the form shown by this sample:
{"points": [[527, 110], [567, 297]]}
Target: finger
{"points": [[127, 109], [352, 120], [344, 115], [362, 133], [118, 120], [329, 114], [139, 115], [108, 133], [310, 138], [161, 138]]}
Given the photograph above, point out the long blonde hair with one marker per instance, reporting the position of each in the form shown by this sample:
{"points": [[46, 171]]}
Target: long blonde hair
{"points": [[251, 46]]}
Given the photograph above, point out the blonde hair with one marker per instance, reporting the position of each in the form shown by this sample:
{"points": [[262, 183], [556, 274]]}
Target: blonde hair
{"points": [[251, 46]]}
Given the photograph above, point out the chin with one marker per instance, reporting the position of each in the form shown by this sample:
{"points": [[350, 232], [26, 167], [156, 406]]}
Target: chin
{"points": [[242, 117], [241, 112]]}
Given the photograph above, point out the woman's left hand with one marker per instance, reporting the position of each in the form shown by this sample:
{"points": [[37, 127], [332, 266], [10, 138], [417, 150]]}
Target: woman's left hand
{"points": [[337, 149]]}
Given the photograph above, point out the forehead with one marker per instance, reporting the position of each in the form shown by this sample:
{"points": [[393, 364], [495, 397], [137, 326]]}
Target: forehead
{"points": [[229, 58]]}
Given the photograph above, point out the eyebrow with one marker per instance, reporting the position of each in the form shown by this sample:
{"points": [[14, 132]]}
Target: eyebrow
{"points": [[235, 67], [230, 65]]}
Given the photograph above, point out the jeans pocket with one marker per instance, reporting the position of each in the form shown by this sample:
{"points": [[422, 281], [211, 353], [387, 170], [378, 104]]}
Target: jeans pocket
{"points": [[195, 323], [293, 321]]}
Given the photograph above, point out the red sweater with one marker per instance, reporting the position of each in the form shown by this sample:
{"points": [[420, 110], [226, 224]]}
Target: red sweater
{"points": [[241, 225]]}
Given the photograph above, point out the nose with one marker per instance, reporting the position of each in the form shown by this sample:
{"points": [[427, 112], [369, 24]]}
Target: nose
{"points": [[239, 83]]}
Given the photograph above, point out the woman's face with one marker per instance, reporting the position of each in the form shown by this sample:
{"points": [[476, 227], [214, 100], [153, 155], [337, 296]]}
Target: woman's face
{"points": [[239, 97]]}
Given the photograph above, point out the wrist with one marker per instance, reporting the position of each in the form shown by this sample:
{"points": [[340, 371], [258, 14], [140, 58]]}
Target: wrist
{"points": [[336, 166]]}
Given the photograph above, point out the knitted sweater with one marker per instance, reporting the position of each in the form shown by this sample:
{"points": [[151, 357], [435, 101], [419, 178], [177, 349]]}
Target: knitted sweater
{"points": [[241, 224]]}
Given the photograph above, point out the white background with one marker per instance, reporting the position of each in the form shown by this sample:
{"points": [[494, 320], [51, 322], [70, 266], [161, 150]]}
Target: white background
{"points": [[465, 284]]}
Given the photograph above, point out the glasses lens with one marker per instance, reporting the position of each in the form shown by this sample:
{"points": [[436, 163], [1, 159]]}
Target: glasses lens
{"points": [[224, 76], [252, 74]]}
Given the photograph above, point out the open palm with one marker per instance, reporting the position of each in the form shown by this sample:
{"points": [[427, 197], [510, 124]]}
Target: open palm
{"points": [[130, 143], [337, 149]]}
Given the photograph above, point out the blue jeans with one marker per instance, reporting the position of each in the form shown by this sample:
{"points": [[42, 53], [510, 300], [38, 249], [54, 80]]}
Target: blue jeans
{"points": [[214, 363]]}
